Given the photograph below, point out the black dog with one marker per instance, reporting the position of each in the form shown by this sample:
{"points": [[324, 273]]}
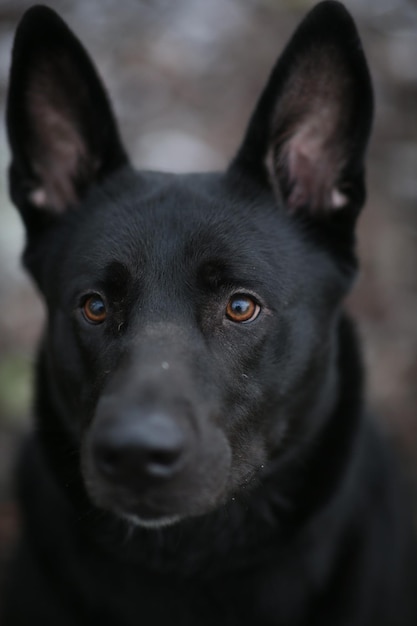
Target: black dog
{"points": [[201, 454]]}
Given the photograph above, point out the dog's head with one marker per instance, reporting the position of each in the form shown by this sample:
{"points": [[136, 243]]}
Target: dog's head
{"points": [[192, 319]]}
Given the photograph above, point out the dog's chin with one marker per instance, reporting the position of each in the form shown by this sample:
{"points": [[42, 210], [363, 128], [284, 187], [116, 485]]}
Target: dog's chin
{"points": [[157, 522], [146, 515], [136, 513], [150, 510]]}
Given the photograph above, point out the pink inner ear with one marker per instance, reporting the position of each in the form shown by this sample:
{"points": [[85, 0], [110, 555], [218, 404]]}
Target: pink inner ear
{"points": [[58, 152], [311, 128], [313, 163]]}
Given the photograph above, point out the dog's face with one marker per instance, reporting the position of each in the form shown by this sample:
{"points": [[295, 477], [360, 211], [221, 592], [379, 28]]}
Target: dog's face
{"points": [[191, 328]]}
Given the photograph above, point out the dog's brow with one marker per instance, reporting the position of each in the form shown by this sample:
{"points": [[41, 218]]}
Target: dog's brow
{"points": [[117, 276]]}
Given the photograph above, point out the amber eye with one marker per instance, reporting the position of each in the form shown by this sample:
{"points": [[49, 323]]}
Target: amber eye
{"points": [[94, 309], [242, 308]]}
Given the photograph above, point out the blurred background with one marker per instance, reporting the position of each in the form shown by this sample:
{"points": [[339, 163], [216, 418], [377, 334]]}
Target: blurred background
{"points": [[184, 77]]}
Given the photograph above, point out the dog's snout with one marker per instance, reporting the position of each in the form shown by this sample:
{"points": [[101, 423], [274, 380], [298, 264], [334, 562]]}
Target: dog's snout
{"points": [[135, 449]]}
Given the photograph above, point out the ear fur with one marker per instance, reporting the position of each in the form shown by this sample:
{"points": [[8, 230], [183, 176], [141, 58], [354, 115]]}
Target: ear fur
{"points": [[61, 129], [310, 129]]}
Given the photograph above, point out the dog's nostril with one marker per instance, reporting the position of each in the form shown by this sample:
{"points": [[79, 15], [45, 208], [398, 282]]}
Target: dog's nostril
{"points": [[161, 462], [135, 449]]}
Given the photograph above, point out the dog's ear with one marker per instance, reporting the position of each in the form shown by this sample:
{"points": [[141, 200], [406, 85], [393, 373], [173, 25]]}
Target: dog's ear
{"points": [[310, 129], [61, 129]]}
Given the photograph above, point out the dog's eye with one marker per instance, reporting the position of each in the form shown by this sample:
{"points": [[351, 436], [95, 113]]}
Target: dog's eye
{"points": [[94, 309], [242, 308]]}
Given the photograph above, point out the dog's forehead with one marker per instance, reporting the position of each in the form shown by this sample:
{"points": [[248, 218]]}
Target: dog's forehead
{"points": [[161, 216]]}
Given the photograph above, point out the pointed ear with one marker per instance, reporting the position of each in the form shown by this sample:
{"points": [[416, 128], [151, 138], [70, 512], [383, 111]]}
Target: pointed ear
{"points": [[61, 129], [310, 129]]}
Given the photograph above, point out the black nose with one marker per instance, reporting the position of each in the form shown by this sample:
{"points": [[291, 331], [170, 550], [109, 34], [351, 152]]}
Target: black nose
{"points": [[134, 449]]}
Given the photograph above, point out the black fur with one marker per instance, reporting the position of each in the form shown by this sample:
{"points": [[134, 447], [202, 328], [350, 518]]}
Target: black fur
{"points": [[190, 466]]}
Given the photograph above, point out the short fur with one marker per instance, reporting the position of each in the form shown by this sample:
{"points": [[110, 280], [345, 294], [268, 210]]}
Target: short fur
{"points": [[201, 454]]}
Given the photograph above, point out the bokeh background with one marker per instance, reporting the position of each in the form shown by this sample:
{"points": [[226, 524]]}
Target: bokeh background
{"points": [[184, 76]]}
